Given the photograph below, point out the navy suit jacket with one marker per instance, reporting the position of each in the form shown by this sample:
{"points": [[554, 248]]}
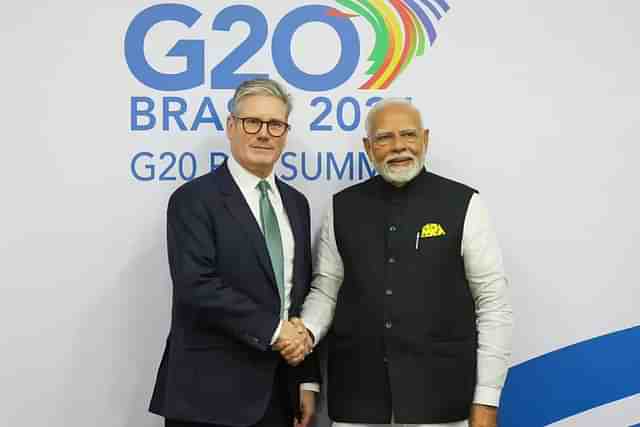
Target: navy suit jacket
{"points": [[217, 366]]}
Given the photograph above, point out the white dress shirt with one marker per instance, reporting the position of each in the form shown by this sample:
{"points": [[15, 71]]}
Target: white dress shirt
{"points": [[487, 282], [247, 182]]}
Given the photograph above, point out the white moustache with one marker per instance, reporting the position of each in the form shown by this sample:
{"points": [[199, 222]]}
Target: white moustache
{"points": [[399, 157]]}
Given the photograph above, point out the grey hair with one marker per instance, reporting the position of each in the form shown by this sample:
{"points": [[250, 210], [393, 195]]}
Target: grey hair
{"points": [[266, 87], [368, 122]]}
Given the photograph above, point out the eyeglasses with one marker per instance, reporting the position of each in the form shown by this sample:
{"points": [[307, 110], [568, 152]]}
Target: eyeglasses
{"points": [[408, 136], [253, 125]]}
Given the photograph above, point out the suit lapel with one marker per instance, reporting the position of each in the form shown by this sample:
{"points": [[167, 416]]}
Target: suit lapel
{"points": [[295, 219], [237, 205]]}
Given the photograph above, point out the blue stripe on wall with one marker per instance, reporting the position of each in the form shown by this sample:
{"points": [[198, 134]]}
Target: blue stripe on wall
{"points": [[571, 380]]}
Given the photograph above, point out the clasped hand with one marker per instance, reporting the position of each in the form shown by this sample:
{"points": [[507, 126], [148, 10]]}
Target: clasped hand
{"points": [[294, 341]]}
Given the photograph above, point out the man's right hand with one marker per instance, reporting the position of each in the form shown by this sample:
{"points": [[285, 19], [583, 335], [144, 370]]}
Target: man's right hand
{"points": [[294, 341]]}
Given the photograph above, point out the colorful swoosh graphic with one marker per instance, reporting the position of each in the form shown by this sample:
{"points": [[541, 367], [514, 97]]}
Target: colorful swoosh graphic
{"points": [[399, 27]]}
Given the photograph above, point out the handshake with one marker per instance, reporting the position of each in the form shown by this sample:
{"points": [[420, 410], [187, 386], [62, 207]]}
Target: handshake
{"points": [[294, 341]]}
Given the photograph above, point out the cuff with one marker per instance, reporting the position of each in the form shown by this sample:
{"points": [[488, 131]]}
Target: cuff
{"points": [[487, 396], [313, 329], [310, 386], [276, 334]]}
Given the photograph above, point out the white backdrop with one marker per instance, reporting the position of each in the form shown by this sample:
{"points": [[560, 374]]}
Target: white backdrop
{"points": [[535, 103]]}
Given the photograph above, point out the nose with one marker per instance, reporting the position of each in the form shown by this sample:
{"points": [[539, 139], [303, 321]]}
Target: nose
{"points": [[263, 133], [399, 144]]}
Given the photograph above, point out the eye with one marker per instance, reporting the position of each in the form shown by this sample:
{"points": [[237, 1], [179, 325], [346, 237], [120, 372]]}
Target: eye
{"points": [[275, 124], [410, 134], [253, 121], [384, 138]]}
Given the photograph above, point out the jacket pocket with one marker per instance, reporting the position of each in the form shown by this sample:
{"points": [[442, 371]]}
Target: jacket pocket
{"points": [[205, 342]]}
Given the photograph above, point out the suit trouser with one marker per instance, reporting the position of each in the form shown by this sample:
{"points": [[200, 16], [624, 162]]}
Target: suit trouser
{"points": [[278, 413]]}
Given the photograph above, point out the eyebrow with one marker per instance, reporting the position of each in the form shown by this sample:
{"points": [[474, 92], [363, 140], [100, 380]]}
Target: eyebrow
{"points": [[271, 119], [388, 132], [382, 133], [408, 130]]}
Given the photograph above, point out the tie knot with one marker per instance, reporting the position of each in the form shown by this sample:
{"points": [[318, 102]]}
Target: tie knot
{"points": [[263, 186]]}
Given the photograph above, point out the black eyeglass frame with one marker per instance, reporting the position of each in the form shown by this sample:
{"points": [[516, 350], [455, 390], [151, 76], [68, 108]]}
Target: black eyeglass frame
{"points": [[287, 126]]}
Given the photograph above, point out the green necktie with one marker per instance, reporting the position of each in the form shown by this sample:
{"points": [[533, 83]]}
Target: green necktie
{"points": [[271, 232]]}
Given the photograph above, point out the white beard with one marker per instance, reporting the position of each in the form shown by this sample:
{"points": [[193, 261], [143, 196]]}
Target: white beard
{"points": [[400, 176]]}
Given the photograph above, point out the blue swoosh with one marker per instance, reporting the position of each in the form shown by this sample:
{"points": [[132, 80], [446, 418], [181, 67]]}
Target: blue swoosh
{"points": [[571, 380], [426, 22]]}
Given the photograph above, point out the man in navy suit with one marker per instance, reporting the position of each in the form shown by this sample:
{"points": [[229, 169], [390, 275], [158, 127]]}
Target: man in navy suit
{"points": [[240, 261]]}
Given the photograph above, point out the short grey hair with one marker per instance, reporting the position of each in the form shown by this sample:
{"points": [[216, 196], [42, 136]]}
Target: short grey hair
{"points": [[266, 87], [368, 122]]}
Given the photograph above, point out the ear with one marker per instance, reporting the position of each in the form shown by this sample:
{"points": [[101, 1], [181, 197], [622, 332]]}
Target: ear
{"points": [[367, 148], [230, 127], [426, 139]]}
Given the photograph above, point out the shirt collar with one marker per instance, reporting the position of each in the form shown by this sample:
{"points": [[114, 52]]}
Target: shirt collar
{"points": [[245, 179], [400, 193]]}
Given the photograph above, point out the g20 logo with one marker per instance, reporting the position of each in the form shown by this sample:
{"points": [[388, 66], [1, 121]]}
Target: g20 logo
{"points": [[398, 26]]}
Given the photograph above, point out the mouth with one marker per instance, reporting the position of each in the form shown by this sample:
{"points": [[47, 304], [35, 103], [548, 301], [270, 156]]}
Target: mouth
{"points": [[264, 148], [400, 162]]}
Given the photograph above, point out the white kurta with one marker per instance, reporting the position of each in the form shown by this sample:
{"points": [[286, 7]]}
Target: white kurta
{"points": [[487, 282]]}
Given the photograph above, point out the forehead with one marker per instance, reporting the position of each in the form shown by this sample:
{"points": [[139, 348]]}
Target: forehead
{"points": [[395, 117], [262, 106]]}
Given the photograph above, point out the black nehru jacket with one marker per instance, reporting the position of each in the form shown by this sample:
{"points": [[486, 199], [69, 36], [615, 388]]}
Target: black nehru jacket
{"points": [[403, 338]]}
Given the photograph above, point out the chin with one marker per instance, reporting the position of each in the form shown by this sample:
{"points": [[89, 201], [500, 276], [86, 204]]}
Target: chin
{"points": [[400, 175], [264, 158], [402, 170]]}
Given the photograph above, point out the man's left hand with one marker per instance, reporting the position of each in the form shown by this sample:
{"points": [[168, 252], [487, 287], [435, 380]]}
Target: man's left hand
{"points": [[307, 407], [483, 416]]}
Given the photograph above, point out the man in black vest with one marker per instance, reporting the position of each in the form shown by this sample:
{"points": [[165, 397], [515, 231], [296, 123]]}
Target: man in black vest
{"points": [[409, 286]]}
